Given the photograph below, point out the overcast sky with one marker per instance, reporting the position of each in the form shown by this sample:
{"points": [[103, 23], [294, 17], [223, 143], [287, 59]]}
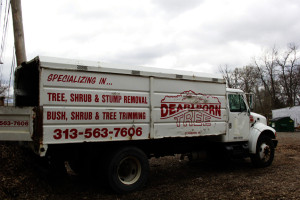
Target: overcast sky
{"points": [[198, 35]]}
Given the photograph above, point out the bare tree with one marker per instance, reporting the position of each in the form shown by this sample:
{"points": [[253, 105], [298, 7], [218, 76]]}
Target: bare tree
{"points": [[274, 78], [297, 92], [231, 76], [3, 86], [267, 70], [3, 89], [289, 65], [241, 78], [248, 79], [226, 73]]}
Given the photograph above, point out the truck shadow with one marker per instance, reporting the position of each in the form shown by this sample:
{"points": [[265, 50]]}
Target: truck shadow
{"points": [[169, 169], [163, 171]]}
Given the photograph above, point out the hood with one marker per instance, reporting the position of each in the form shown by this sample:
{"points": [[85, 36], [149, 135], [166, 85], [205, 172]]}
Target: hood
{"points": [[259, 118]]}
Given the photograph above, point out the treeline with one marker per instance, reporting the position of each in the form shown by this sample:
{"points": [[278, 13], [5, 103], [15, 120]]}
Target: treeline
{"points": [[274, 78]]}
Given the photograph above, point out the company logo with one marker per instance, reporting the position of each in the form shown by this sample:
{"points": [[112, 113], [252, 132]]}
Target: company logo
{"points": [[191, 109]]}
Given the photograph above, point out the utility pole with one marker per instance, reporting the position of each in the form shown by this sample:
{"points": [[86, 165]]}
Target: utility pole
{"points": [[18, 31]]}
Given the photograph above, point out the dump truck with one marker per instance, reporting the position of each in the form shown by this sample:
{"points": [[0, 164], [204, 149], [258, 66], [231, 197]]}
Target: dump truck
{"points": [[110, 119]]}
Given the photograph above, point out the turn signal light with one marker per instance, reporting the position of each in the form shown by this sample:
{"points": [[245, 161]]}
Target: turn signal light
{"points": [[251, 119]]}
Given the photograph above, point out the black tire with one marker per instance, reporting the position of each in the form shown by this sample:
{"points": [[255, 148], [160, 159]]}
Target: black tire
{"points": [[264, 152], [128, 170]]}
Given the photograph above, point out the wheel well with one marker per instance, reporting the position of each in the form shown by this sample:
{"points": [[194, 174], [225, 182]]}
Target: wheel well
{"points": [[268, 133]]}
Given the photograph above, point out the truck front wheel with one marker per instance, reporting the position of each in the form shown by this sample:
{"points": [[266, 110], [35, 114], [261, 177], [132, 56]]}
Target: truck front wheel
{"points": [[264, 152], [127, 170]]}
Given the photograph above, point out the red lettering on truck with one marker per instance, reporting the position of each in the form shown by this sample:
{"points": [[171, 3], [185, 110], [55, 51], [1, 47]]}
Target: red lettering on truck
{"points": [[71, 79], [80, 97], [109, 115], [56, 96], [56, 115], [13, 123], [96, 133], [111, 98], [132, 115], [135, 99], [191, 109], [81, 115]]}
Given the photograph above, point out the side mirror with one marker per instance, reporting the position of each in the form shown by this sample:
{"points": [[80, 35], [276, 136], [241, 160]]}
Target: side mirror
{"points": [[250, 100]]}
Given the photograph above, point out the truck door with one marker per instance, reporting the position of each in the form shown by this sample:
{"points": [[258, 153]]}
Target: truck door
{"points": [[238, 126]]}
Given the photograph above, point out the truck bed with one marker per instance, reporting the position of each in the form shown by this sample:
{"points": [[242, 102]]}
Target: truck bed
{"points": [[80, 101]]}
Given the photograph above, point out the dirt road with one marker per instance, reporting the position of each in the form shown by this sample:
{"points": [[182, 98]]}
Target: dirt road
{"points": [[169, 178]]}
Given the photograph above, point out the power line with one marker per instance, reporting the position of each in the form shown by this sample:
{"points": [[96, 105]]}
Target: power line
{"points": [[0, 23], [5, 25], [0, 9]]}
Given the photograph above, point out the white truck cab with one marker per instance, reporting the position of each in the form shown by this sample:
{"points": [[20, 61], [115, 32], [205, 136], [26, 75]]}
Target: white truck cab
{"points": [[244, 125], [239, 116]]}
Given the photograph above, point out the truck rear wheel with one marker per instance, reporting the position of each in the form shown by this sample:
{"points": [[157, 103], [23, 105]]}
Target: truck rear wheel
{"points": [[128, 170], [264, 152]]}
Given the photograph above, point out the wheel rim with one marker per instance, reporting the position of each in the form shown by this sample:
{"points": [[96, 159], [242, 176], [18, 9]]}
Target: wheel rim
{"points": [[265, 152], [129, 170]]}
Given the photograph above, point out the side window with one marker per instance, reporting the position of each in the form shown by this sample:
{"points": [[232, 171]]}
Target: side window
{"points": [[236, 103]]}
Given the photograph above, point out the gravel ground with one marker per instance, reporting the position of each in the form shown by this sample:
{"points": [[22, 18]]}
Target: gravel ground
{"points": [[170, 178]]}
